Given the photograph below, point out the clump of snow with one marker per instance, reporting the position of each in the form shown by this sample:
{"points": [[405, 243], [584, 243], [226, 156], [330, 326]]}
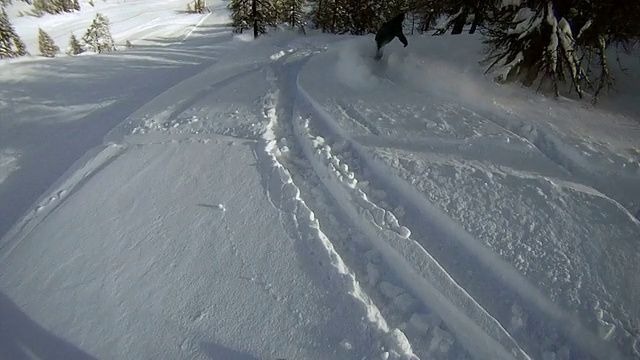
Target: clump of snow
{"points": [[277, 55]]}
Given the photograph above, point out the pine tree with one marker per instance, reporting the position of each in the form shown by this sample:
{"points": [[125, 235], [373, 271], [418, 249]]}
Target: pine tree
{"points": [[74, 47], [43, 6], [354, 16], [247, 14], [189, 9], [10, 43], [293, 14], [330, 15], [47, 46], [199, 6], [555, 41], [128, 44], [55, 6], [98, 36], [240, 14]]}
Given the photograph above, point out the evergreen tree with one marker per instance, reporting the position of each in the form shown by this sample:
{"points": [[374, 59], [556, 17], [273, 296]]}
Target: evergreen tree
{"points": [[240, 14], [246, 14], [47, 46], [199, 6], [293, 14], [128, 44], [55, 6], [354, 16], [552, 41], [10, 43], [43, 6], [330, 15], [98, 36], [74, 47]]}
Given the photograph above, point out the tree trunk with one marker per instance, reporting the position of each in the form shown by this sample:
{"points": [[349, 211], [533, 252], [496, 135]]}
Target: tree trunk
{"points": [[428, 18], [458, 22], [477, 19], [254, 14], [334, 16]]}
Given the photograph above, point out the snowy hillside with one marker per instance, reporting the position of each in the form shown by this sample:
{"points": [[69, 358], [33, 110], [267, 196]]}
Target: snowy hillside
{"points": [[138, 21], [205, 196]]}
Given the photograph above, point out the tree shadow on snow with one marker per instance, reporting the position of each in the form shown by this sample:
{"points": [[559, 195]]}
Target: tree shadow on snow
{"points": [[54, 110], [22, 338]]}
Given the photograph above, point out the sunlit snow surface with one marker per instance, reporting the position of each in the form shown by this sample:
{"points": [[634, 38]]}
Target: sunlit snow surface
{"points": [[204, 196]]}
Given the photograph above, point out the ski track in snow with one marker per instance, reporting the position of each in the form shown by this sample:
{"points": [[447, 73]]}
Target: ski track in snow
{"points": [[424, 285], [499, 278], [280, 145], [422, 275], [569, 158]]}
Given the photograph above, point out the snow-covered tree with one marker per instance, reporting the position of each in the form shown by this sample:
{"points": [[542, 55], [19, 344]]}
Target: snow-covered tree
{"points": [[47, 46], [55, 6], [247, 14], [240, 14], [293, 13], [331, 16], [74, 47], [554, 41], [10, 43], [354, 16], [98, 36]]}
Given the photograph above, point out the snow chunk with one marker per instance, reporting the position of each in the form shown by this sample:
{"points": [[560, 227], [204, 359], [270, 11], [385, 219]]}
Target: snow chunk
{"points": [[277, 55], [404, 302], [389, 290], [605, 330], [346, 344], [404, 232], [441, 340], [419, 323], [373, 275]]}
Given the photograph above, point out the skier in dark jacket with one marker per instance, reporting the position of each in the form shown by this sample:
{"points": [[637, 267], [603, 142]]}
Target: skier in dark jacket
{"points": [[388, 31]]}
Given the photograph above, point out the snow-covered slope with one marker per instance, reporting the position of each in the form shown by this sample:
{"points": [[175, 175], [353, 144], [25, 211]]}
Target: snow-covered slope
{"points": [[139, 21], [290, 198]]}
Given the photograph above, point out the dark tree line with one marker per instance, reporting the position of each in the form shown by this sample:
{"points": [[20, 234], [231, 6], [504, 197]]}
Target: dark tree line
{"points": [[258, 15], [543, 42]]}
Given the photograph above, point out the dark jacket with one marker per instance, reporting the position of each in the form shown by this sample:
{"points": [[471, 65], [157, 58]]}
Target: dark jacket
{"points": [[389, 30]]}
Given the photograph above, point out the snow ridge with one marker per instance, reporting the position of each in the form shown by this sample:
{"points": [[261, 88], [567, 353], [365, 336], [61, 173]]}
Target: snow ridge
{"points": [[446, 227], [474, 327], [307, 226], [570, 159]]}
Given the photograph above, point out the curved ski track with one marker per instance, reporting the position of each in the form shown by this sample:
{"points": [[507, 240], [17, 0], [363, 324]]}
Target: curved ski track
{"points": [[291, 187], [424, 264], [414, 299], [419, 277]]}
